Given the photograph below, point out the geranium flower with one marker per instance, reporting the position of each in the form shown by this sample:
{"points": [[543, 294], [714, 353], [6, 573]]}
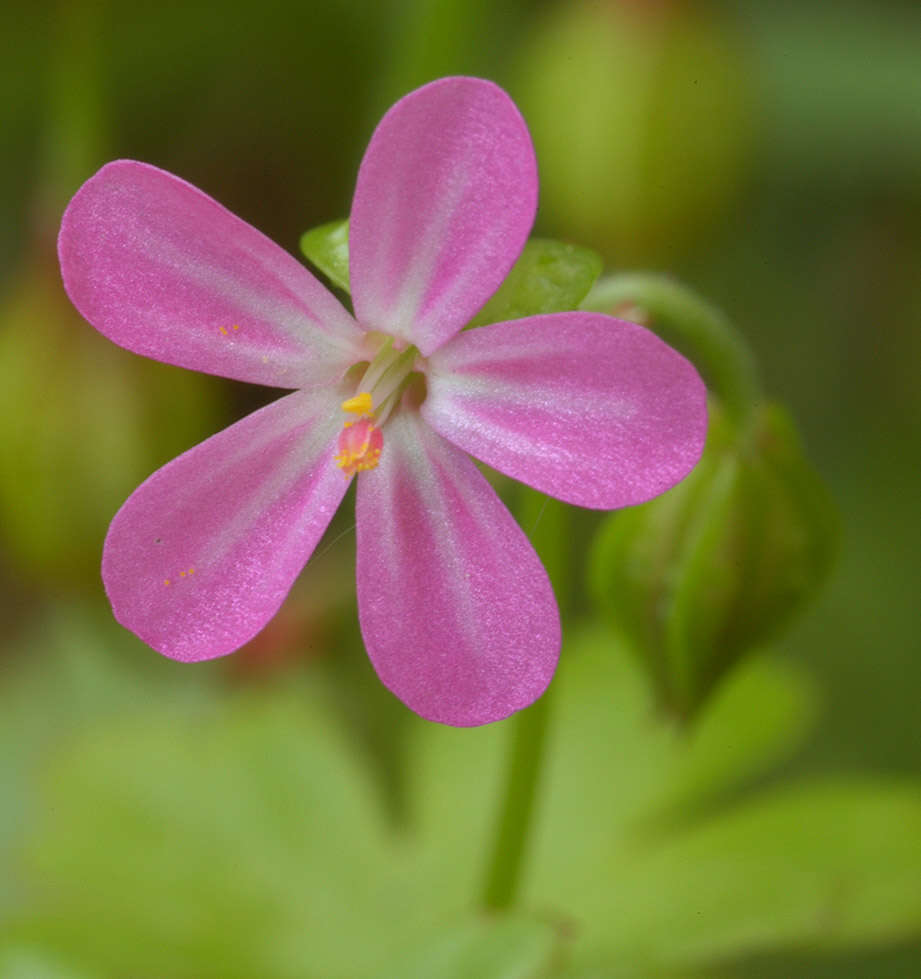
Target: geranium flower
{"points": [[456, 611]]}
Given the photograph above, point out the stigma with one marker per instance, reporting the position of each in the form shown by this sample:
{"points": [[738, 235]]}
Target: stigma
{"points": [[361, 441]]}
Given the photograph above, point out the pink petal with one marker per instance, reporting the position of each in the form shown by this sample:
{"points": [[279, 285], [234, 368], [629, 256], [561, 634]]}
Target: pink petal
{"points": [[164, 270], [445, 200], [456, 611], [203, 553], [589, 409]]}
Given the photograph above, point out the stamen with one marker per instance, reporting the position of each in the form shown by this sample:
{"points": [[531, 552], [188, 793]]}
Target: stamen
{"points": [[388, 389], [378, 366], [361, 441], [361, 404]]}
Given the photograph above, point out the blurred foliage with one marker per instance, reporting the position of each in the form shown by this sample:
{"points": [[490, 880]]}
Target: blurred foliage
{"points": [[81, 423], [840, 89], [241, 834]]}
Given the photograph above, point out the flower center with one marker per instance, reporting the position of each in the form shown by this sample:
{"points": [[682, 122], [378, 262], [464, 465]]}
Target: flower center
{"points": [[379, 390]]}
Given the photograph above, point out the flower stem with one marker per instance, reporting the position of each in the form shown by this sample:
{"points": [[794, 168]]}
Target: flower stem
{"points": [[692, 326], [548, 525], [516, 817]]}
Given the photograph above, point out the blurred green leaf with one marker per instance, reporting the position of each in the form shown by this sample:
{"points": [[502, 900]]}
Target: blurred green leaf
{"points": [[629, 971], [482, 948], [19, 962], [753, 722], [613, 766], [71, 671], [549, 277], [247, 837], [252, 840], [635, 892], [327, 247], [829, 863], [602, 703]]}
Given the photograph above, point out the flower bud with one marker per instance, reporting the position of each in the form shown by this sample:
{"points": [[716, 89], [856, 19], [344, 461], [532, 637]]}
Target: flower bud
{"points": [[715, 567]]}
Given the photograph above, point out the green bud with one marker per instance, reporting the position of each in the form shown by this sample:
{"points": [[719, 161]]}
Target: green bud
{"points": [[717, 566]]}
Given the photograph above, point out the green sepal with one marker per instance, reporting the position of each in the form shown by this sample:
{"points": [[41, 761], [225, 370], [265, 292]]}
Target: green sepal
{"points": [[717, 566], [327, 247], [549, 277]]}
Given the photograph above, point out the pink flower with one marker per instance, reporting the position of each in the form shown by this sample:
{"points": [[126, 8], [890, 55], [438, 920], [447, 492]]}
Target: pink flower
{"points": [[456, 611]]}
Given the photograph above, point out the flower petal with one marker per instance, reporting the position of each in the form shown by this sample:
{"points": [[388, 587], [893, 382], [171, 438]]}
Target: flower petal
{"points": [[203, 553], [456, 610], [164, 270], [589, 409], [445, 200]]}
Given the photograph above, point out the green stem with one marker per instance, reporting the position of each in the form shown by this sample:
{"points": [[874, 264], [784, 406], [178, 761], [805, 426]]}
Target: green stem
{"points": [[701, 332], [547, 523], [516, 816]]}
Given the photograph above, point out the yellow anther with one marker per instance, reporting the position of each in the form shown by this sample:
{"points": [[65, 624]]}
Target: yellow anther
{"points": [[361, 404], [223, 330]]}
